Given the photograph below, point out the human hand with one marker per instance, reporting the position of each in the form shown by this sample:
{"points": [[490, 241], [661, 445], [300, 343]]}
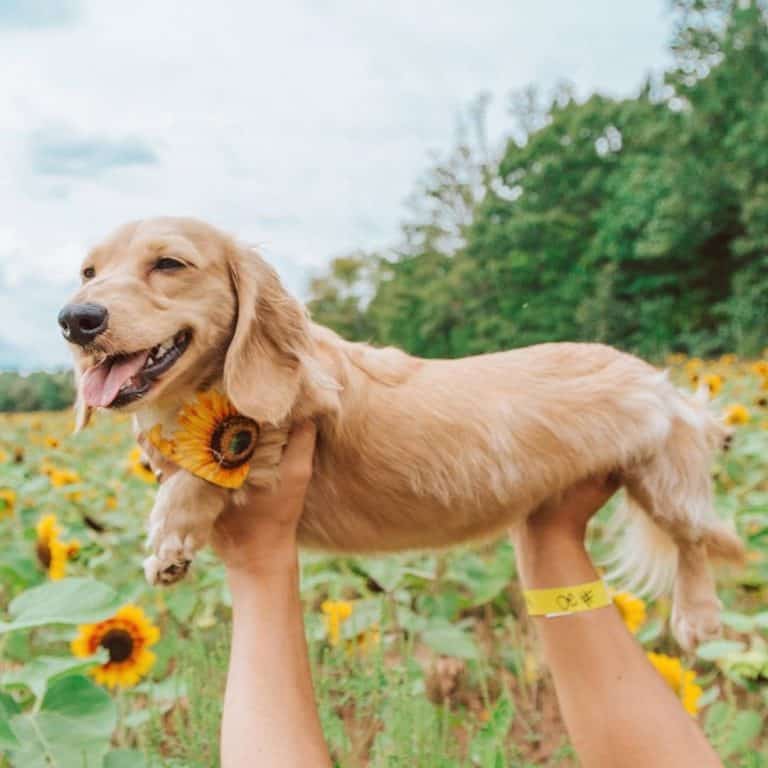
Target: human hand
{"points": [[262, 532], [550, 543], [569, 515]]}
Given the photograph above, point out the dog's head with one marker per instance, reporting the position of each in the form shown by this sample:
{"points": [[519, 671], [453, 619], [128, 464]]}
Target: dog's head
{"points": [[168, 306]]}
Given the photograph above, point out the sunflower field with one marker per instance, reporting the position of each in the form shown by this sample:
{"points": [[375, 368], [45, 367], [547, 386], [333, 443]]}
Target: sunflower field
{"points": [[419, 659]]}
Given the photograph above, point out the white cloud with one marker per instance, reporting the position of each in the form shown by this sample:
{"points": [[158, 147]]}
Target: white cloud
{"points": [[299, 125]]}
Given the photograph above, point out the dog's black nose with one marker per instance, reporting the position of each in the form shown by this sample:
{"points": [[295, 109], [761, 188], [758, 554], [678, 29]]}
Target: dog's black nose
{"points": [[82, 323]]}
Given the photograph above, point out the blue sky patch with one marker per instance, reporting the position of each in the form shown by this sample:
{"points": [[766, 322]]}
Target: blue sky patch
{"points": [[39, 13], [56, 154]]}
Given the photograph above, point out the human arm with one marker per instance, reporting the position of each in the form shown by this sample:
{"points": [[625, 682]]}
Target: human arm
{"points": [[270, 717], [616, 707]]}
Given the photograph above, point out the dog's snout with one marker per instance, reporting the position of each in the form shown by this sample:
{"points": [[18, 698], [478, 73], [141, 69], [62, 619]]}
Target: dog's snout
{"points": [[82, 323]]}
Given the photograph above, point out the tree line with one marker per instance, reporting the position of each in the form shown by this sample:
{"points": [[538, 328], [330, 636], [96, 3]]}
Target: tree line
{"points": [[41, 391]]}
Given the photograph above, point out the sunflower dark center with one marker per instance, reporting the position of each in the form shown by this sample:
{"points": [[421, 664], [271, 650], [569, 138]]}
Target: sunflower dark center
{"points": [[234, 441], [44, 554], [119, 644], [240, 441]]}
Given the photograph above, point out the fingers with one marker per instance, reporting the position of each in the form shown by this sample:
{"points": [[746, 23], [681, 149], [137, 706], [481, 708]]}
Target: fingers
{"points": [[299, 450], [301, 440], [588, 496]]}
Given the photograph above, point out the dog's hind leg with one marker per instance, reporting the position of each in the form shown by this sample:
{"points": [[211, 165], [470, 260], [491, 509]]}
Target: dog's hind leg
{"points": [[695, 606], [670, 528]]}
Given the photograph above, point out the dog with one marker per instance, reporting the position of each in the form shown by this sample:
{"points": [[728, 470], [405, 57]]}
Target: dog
{"points": [[411, 453]]}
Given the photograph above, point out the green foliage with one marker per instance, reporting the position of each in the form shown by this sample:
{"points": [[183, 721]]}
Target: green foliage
{"points": [[638, 222], [71, 729], [40, 391]]}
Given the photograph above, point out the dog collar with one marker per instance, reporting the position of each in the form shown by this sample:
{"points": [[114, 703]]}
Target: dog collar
{"points": [[211, 440]]}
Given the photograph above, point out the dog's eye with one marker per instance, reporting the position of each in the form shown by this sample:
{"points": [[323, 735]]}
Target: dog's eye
{"points": [[88, 273], [168, 264]]}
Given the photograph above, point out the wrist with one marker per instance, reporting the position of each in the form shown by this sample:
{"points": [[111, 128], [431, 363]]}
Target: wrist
{"points": [[263, 567], [552, 559]]}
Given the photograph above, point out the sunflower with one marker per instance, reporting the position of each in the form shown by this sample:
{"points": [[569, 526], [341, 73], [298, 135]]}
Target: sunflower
{"points": [[631, 609], [3, 456], [141, 467], [52, 552], [126, 637], [365, 642], [336, 613], [760, 368], [51, 442], [692, 369], [213, 440], [680, 680], [7, 502], [693, 364], [714, 384], [60, 477], [737, 414]]}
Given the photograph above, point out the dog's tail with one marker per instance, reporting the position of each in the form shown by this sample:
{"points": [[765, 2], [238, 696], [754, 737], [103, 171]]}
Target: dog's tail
{"points": [[646, 557]]}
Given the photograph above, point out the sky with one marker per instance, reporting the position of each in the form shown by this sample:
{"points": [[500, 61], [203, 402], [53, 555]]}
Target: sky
{"points": [[300, 126]]}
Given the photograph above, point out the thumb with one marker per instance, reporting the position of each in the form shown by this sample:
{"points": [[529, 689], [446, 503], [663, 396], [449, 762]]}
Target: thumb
{"points": [[299, 450]]}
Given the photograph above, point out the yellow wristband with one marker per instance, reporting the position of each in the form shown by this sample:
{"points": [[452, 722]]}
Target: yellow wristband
{"points": [[564, 600]]}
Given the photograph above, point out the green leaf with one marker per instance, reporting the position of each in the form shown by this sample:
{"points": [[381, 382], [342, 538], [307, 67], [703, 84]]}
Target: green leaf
{"points": [[386, 572], [718, 649], [78, 698], [72, 729], [8, 739], [124, 758], [744, 729], [738, 621], [650, 631], [181, 603], [37, 673], [451, 641], [761, 620], [69, 601], [8, 708]]}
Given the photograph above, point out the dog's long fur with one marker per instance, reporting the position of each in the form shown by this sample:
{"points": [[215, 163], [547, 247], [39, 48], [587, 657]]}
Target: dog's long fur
{"points": [[411, 453]]}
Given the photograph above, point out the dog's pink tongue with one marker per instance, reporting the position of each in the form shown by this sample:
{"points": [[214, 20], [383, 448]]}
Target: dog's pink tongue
{"points": [[102, 382]]}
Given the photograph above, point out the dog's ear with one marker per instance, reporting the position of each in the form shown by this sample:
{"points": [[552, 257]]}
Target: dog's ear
{"points": [[83, 412], [263, 368]]}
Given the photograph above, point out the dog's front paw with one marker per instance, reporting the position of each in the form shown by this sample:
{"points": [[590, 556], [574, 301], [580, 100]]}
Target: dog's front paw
{"points": [[171, 563]]}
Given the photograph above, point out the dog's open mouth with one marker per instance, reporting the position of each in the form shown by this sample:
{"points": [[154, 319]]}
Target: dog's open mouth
{"points": [[120, 379]]}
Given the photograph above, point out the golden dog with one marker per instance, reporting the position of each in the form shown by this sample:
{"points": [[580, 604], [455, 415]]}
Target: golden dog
{"points": [[411, 453]]}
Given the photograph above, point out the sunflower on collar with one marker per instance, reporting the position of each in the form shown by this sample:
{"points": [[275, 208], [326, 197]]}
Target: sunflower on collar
{"points": [[212, 441]]}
